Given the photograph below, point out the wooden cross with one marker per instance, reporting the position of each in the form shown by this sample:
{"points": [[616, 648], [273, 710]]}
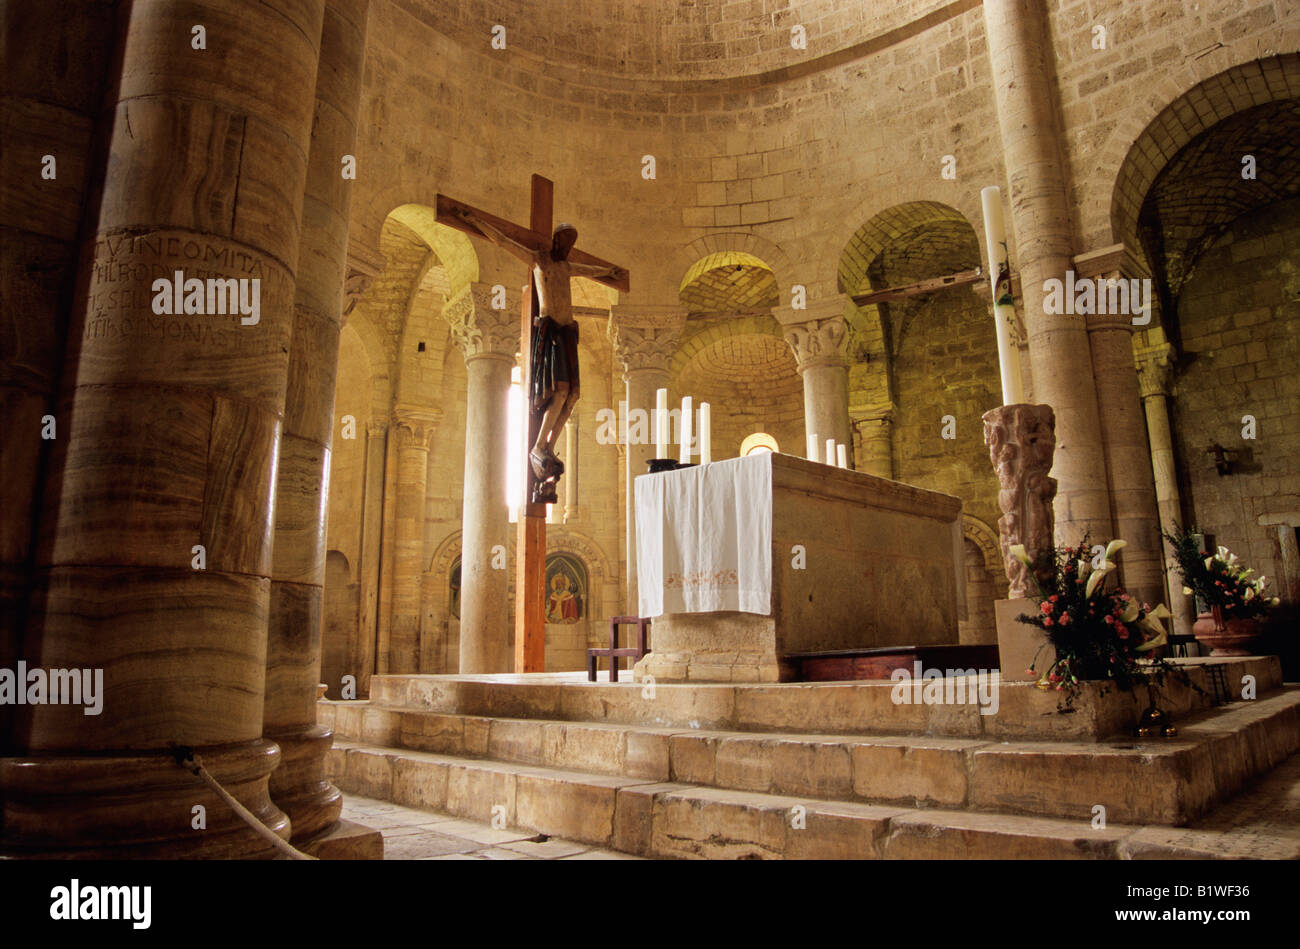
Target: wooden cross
{"points": [[530, 570]]}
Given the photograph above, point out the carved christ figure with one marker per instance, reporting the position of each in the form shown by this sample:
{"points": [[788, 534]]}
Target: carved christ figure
{"points": [[554, 371]]}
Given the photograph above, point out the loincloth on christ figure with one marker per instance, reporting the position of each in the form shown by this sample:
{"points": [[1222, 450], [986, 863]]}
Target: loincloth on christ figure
{"points": [[555, 360]]}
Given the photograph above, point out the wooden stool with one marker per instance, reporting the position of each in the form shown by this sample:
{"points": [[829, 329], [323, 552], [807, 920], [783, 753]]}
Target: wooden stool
{"points": [[639, 650]]}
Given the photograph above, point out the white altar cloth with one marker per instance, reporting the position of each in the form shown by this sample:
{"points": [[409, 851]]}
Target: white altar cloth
{"points": [[704, 538]]}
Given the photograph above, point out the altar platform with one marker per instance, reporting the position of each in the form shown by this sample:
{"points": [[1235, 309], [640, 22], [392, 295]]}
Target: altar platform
{"points": [[743, 562]]}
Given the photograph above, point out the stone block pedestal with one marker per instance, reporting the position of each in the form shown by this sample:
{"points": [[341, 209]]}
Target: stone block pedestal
{"points": [[1019, 643]]}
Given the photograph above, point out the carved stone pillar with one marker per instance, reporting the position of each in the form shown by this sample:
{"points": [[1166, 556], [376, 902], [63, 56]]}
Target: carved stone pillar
{"points": [[644, 339], [819, 348], [293, 650], [1155, 371], [1124, 432], [157, 548], [489, 340], [1059, 354], [875, 428], [413, 429], [1021, 444]]}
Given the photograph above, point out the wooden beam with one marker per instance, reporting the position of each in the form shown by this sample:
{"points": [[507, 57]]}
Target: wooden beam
{"points": [[447, 215], [924, 286]]}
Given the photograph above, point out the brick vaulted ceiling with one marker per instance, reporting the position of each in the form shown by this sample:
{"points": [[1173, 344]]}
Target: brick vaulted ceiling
{"points": [[1201, 190]]}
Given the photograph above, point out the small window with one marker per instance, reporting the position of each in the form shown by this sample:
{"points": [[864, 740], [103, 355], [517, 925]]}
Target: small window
{"points": [[759, 441]]}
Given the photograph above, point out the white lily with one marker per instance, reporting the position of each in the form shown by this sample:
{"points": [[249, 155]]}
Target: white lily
{"points": [[1249, 594], [1131, 610], [1188, 591], [1097, 577], [1018, 551], [1114, 547], [1274, 602], [1208, 562]]}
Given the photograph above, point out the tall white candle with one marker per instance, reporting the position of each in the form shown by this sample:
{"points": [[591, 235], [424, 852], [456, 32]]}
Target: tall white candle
{"points": [[706, 434], [842, 455], [1004, 313], [830, 452], [661, 423], [688, 416], [813, 442]]}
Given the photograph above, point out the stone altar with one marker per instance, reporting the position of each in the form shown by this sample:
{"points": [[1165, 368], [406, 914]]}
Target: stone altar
{"points": [[856, 561]]}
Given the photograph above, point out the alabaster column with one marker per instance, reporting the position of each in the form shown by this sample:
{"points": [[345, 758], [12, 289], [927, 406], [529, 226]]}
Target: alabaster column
{"points": [[372, 515], [489, 340], [156, 546], [644, 340], [55, 59], [293, 649], [1154, 379], [413, 429], [1022, 443], [819, 350], [876, 437], [1040, 214]]}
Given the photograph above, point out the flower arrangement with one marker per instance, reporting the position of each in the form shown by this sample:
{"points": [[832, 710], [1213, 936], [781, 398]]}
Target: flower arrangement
{"points": [[1098, 633], [1220, 581]]}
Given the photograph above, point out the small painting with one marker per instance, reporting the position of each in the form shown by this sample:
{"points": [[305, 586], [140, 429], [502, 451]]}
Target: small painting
{"points": [[566, 589]]}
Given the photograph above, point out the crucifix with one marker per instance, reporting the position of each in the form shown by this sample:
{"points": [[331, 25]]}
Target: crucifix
{"points": [[548, 346]]}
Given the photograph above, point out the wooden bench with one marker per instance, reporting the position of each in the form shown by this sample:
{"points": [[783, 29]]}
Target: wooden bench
{"points": [[642, 624]]}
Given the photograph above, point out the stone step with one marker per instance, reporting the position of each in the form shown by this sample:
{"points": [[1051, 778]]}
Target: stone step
{"points": [[676, 819], [1023, 711], [1162, 781]]}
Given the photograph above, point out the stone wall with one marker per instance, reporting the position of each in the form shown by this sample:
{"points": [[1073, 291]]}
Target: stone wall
{"points": [[1239, 321]]}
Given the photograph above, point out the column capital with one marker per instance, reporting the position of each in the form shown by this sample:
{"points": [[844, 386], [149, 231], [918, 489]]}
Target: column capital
{"points": [[880, 414], [1155, 369], [415, 425], [1116, 260], [818, 342], [484, 321], [645, 337], [377, 427]]}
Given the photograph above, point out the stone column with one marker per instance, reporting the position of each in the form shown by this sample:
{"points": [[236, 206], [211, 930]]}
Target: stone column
{"points": [[1154, 360], [372, 515], [413, 427], [875, 427], [293, 649], [156, 546], [1123, 428], [55, 59], [489, 340], [570, 469], [644, 340], [1059, 355], [819, 348]]}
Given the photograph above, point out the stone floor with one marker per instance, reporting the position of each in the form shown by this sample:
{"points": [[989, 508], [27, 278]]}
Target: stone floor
{"points": [[411, 834]]}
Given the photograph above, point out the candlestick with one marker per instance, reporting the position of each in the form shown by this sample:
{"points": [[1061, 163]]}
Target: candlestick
{"points": [[1004, 310], [688, 417], [661, 423], [706, 434], [842, 455], [813, 442], [830, 452]]}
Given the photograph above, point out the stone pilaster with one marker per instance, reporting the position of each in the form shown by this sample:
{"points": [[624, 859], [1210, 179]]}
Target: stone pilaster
{"points": [[1123, 429], [413, 428], [157, 553], [489, 340], [293, 650], [1155, 359], [644, 339], [1059, 354], [875, 430], [362, 655], [820, 351]]}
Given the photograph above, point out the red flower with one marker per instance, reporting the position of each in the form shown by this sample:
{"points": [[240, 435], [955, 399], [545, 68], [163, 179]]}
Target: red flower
{"points": [[1122, 632], [1110, 619], [1053, 598], [1065, 619], [1046, 607], [1047, 621]]}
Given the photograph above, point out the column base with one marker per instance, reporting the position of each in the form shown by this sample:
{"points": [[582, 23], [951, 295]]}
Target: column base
{"points": [[344, 840], [1019, 643], [142, 806], [299, 786]]}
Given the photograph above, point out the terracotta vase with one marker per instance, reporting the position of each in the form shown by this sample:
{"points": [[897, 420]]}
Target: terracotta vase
{"points": [[1225, 637]]}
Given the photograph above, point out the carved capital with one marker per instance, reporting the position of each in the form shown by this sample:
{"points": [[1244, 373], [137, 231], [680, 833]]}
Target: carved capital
{"points": [[355, 284], [415, 426], [818, 342], [1155, 366], [873, 420], [484, 321], [645, 338]]}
